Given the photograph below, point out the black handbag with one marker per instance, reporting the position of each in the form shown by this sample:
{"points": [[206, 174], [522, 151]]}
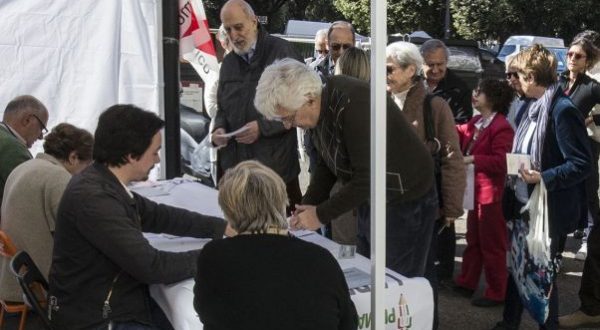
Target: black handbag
{"points": [[511, 206]]}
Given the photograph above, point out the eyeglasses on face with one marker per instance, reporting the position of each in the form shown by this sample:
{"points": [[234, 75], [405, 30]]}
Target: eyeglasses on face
{"points": [[510, 75], [575, 56], [476, 91], [42, 126], [335, 46], [322, 51]]}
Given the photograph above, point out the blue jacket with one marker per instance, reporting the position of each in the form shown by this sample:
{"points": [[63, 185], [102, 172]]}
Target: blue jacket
{"points": [[566, 163]]}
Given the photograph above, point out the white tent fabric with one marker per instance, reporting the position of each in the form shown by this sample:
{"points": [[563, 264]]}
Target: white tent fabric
{"points": [[80, 57]]}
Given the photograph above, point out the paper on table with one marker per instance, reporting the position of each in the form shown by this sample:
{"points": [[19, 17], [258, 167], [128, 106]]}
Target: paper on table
{"points": [[469, 196], [356, 278], [236, 132], [514, 162]]}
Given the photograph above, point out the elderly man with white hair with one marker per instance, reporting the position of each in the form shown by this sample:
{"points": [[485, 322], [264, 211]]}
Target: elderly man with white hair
{"points": [[338, 117]]}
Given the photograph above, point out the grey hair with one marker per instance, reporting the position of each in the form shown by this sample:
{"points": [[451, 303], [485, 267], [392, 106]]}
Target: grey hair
{"points": [[286, 83], [253, 198], [247, 9], [22, 105], [341, 25], [405, 54], [432, 45], [321, 34]]}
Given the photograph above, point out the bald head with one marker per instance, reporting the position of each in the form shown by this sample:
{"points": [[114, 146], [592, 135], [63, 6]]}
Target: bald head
{"points": [[27, 116], [241, 25]]}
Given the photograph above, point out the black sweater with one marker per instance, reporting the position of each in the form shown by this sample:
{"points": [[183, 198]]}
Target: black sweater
{"points": [[342, 138], [98, 245], [585, 92], [271, 282]]}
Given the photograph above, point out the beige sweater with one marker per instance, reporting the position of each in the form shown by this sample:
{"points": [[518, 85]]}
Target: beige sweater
{"points": [[31, 196]]}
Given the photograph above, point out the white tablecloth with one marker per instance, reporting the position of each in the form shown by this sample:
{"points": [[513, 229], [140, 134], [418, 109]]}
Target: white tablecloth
{"points": [[409, 301]]}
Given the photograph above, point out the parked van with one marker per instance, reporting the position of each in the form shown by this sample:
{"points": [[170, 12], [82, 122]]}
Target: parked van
{"points": [[515, 44]]}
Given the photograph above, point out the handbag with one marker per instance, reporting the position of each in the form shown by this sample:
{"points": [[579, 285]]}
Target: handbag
{"points": [[511, 206], [530, 262]]}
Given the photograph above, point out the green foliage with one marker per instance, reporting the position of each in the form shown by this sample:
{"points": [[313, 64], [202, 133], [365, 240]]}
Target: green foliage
{"points": [[471, 19]]}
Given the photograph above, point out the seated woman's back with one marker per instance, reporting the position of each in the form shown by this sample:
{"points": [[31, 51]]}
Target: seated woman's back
{"points": [[263, 278]]}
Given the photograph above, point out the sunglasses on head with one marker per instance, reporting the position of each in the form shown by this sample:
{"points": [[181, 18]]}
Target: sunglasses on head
{"points": [[510, 75], [575, 56], [336, 46]]}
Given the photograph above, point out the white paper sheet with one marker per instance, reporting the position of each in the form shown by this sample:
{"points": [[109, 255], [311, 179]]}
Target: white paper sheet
{"points": [[234, 133], [514, 162]]}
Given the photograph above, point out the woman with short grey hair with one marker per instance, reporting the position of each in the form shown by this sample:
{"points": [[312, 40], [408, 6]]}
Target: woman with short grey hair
{"points": [[433, 122], [263, 269]]}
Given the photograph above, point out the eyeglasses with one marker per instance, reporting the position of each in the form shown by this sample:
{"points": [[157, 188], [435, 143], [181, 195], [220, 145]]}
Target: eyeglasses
{"points": [[322, 51], [575, 56], [42, 126], [510, 75], [336, 46]]}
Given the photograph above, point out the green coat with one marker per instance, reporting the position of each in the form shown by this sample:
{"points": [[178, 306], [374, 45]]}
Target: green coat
{"points": [[12, 153]]}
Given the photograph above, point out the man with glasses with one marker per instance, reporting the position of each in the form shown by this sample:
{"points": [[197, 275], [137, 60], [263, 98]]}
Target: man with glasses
{"points": [[255, 137], [321, 49], [441, 81], [24, 122], [340, 37]]}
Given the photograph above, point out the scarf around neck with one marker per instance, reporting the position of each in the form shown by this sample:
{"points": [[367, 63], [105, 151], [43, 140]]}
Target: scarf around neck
{"points": [[537, 114]]}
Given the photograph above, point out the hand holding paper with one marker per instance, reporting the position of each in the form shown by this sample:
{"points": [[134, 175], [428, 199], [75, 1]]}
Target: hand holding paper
{"points": [[514, 162]]}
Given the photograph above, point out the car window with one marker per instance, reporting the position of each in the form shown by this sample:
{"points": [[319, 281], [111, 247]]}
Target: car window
{"points": [[464, 58], [507, 50], [561, 57]]}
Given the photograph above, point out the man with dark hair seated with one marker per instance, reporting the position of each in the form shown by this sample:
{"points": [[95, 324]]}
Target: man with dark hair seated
{"points": [[102, 264]]}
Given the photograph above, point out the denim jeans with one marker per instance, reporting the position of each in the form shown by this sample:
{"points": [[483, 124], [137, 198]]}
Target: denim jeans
{"points": [[409, 228]]}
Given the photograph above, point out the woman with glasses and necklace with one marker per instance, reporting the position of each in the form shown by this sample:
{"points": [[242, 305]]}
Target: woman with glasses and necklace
{"points": [[485, 140], [552, 133], [263, 278], [584, 91]]}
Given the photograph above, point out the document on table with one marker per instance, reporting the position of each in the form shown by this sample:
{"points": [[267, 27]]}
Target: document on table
{"points": [[234, 133], [356, 278], [514, 162]]}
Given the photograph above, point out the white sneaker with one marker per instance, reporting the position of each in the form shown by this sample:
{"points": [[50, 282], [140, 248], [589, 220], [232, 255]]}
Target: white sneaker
{"points": [[582, 253]]}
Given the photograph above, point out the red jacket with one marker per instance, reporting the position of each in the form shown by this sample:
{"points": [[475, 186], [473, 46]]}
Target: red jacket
{"points": [[489, 153]]}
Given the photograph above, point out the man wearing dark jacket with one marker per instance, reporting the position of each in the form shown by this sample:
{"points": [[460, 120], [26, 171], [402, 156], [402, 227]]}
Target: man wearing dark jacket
{"points": [[338, 116], [261, 139], [340, 37], [102, 264], [442, 82]]}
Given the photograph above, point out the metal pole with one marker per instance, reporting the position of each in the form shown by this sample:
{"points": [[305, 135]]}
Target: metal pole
{"points": [[378, 161], [170, 44], [447, 21]]}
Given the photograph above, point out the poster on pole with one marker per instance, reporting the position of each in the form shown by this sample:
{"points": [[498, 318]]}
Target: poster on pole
{"points": [[196, 45]]}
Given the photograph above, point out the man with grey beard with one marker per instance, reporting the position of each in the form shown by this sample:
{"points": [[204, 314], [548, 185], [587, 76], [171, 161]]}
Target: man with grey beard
{"points": [[257, 138]]}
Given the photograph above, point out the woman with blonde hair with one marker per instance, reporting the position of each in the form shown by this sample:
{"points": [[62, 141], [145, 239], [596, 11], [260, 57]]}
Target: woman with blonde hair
{"points": [[354, 62], [553, 134], [269, 279]]}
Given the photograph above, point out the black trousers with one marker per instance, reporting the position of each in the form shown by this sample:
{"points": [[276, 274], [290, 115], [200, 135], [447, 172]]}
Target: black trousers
{"points": [[445, 250], [591, 187], [589, 293]]}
